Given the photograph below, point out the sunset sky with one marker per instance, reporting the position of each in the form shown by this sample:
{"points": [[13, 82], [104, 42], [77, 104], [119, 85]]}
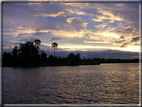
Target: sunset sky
{"points": [[104, 30]]}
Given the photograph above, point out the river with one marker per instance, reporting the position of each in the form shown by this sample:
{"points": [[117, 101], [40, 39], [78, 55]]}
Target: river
{"points": [[87, 84]]}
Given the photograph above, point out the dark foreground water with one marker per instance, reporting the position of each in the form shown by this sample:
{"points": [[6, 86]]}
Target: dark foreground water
{"points": [[91, 84]]}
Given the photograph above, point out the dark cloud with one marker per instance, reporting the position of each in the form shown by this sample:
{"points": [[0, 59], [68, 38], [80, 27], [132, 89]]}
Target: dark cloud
{"points": [[131, 16], [118, 31], [135, 39], [86, 36], [78, 24], [129, 12], [120, 41], [41, 33], [56, 38], [129, 29], [26, 40], [35, 34], [23, 40], [24, 34], [132, 30], [124, 45], [122, 37]]}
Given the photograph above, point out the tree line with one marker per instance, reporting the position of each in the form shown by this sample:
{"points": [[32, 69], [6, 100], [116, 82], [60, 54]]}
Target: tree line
{"points": [[28, 54]]}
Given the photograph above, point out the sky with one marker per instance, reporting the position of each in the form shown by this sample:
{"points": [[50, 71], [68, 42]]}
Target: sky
{"points": [[104, 30]]}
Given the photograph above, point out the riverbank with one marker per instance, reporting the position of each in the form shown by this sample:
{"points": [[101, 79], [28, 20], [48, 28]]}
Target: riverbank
{"points": [[81, 62]]}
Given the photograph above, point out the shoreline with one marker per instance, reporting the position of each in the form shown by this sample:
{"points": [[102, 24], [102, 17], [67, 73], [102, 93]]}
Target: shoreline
{"points": [[69, 65]]}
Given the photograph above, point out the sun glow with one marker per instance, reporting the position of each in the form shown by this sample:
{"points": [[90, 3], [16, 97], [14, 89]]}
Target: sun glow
{"points": [[108, 34]]}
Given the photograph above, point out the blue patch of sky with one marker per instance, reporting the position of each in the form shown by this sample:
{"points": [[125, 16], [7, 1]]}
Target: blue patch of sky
{"points": [[133, 5], [91, 27], [92, 12], [9, 25], [6, 38], [15, 43]]}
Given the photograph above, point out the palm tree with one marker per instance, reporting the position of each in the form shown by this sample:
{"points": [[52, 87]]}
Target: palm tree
{"points": [[37, 43], [54, 45]]}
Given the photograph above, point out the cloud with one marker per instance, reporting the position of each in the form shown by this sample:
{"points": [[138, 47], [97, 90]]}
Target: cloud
{"points": [[124, 45], [97, 20], [94, 42], [52, 15], [120, 4], [135, 39], [131, 16], [69, 20], [56, 38], [8, 46], [122, 37], [26, 40], [41, 33], [23, 35], [23, 40], [101, 26], [129, 29], [111, 21], [86, 36], [121, 41]]}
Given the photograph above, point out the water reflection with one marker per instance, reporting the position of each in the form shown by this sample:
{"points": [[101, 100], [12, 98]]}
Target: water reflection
{"points": [[92, 84]]}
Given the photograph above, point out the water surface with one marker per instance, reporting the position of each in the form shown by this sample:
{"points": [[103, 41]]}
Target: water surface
{"points": [[88, 84]]}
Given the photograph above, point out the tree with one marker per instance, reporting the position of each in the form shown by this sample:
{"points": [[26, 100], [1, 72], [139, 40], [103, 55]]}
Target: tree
{"points": [[28, 54], [15, 52], [43, 57], [6, 59], [15, 56], [37, 43], [54, 45], [73, 59]]}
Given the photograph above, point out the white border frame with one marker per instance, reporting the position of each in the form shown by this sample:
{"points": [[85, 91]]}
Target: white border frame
{"points": [[113, 1]]}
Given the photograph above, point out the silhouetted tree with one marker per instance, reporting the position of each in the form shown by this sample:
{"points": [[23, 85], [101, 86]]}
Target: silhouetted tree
{"points": [[5, 54], [78, 55], [6, 59], [54, 45], [15, 52], [51, 57], [73, 59], [43, 57], [28, 54], [15, 56], [37, 43]]}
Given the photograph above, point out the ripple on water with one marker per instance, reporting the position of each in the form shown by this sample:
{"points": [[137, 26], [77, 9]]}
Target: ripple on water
{"points": [[102, 84]]}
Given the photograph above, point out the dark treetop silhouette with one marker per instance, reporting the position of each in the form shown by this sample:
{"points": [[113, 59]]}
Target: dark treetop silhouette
{"points": [[37, 43], [27, 55], [54, 45]]}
